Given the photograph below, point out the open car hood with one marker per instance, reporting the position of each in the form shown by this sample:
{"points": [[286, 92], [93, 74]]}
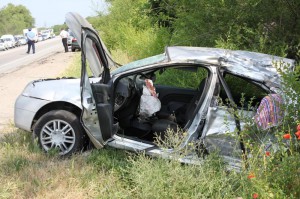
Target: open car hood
{"points": [[75, 22]]}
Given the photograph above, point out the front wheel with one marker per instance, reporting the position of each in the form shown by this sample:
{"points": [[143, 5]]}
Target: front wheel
{"points": [[60, 129]]}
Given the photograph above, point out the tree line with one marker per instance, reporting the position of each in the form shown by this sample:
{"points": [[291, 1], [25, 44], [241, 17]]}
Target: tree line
{"points": [[144, 27], [13, 19]]}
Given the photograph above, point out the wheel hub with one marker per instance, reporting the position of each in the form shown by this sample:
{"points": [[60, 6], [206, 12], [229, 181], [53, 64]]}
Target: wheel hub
{"points": [[57, 137]]}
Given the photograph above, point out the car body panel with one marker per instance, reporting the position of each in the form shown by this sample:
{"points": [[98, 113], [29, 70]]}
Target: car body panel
{"points": [[54, 90], [25, 110], [217, 133]]}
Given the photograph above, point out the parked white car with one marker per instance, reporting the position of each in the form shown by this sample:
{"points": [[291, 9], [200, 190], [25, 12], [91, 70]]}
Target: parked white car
{"points": [[40, 38], [9, 40], [3, 45], [47, 34], [21, 40]]}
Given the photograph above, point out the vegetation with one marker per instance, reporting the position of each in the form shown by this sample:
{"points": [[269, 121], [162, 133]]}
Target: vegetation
{"points": [[27, 172], [140, 28], [144, 27], [13, 19]]}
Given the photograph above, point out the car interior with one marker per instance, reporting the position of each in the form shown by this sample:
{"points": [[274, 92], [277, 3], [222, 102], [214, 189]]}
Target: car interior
{"points": [[178, 89]]}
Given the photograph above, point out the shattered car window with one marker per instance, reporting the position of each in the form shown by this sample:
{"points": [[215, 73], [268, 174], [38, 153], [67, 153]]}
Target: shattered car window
{"points": [[244, 92]]}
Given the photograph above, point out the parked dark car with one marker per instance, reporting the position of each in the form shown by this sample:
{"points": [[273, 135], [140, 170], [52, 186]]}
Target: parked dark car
{"points": [[75, 46], [72, 41]]}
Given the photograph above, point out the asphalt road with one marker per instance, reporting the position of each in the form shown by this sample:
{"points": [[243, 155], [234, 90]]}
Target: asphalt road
{"points": [[18, 69], [15, 58]]}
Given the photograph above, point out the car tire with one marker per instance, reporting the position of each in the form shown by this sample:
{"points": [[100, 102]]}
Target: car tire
{"points": [[60, 129], [73, 49]]}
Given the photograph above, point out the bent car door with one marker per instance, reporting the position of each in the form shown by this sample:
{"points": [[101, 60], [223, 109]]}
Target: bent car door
{"points": [[97, 106]]}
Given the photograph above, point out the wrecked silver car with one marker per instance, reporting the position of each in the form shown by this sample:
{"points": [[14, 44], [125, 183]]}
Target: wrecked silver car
{"points": [[185, 88]]}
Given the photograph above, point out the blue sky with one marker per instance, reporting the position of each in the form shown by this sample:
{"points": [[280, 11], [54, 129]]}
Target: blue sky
{"points": [[52, 12]]}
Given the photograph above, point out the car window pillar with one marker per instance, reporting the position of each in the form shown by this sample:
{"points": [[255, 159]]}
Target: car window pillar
{"points": [[233, 106]]}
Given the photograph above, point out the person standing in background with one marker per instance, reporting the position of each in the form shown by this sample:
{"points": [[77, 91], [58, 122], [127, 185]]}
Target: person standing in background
{"points": [[64, 35], [31, 40]]}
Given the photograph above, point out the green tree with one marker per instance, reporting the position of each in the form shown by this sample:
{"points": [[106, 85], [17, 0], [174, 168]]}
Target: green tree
{"points": [[13, 19], [128, 27], [144, 27], [162, 13]]}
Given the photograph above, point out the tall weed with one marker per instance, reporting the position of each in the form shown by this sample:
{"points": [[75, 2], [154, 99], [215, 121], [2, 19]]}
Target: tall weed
{"points": [[273, 154]]}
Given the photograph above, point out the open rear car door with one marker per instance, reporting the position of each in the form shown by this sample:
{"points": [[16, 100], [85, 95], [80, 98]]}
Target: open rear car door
{"points": [[96, 97]]}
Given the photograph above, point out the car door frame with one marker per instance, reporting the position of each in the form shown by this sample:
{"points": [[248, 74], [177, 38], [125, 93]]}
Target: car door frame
{"points": [[96, 97], [231, 104]]}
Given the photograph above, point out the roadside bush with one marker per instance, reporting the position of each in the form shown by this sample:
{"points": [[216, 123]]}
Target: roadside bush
{"points": [[253, 39], [273, 154], [168, 178]]}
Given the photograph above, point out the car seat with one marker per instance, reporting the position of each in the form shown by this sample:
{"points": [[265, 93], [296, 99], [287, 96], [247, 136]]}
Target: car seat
{"points": [[182, 115]]}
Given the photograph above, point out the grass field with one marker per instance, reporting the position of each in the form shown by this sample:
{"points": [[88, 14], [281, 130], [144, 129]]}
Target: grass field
{"points": [[27, 172]]}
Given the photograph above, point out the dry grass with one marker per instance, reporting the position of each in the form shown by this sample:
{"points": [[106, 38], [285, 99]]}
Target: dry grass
{"points": [[27, 172]]}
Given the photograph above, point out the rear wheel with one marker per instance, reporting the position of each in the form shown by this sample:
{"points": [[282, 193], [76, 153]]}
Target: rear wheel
{"points": [[61, 130]]}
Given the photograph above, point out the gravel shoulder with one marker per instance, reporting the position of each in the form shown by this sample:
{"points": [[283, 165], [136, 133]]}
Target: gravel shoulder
{"points": [[12, 84]]}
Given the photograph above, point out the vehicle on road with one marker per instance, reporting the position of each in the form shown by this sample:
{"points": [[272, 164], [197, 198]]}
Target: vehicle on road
{"points": [[45, 37], [130, 106], [70, 37], [21, 40], [3, 45], [40, 38], [47, 34], [74, 45], [9, 40], [72, 41]]}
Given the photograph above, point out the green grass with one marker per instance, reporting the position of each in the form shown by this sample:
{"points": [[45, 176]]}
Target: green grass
{"points": [[75, 67], [27, 172]]}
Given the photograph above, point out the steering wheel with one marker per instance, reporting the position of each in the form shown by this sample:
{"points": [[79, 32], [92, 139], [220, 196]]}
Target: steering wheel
{"points": [[120, 99], [137, 79]]}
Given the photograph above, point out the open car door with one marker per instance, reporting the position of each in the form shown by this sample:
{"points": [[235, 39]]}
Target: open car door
{"points": [[96, 101]]}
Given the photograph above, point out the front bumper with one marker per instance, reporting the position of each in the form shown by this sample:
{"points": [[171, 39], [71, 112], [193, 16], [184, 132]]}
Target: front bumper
{"points": [[25, 111]]}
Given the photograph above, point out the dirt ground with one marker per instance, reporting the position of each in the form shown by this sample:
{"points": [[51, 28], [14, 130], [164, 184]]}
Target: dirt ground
{"points": [[12, 84]]}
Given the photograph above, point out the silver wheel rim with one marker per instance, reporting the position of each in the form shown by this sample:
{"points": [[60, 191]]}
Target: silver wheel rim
{"points": [[57, 134]]}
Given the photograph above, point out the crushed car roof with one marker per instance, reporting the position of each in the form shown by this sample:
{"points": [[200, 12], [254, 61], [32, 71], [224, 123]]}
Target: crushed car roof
{"points": [[256, 66]]}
